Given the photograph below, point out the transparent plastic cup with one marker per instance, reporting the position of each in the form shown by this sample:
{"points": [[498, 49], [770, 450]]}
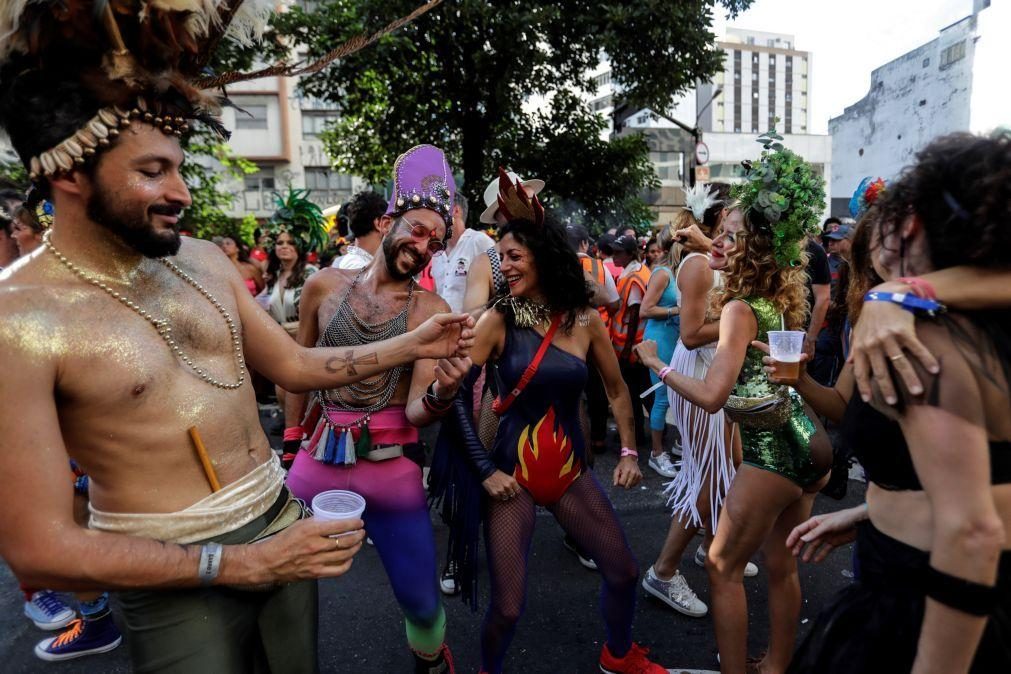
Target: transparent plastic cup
{"points": [[338, 504], [786, 348]]}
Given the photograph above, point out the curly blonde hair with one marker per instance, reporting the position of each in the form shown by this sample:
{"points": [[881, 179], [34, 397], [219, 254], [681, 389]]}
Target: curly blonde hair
{"points": [[752, 271]]}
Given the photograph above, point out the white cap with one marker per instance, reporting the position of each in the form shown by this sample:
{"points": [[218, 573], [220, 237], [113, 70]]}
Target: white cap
{"points": [[491, 195]]}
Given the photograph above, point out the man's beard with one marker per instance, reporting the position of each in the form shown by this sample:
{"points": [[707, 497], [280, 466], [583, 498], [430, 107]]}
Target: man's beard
{"points": [[391, 251], [135, 227]]}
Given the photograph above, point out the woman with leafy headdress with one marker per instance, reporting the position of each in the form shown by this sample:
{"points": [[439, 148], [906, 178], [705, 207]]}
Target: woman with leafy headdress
{"points": [[786, 455], [296, 228]]}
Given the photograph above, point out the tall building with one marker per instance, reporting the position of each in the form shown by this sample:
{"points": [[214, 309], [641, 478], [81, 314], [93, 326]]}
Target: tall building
{"points": [[765, 84], [938, 88], [763, 79]]}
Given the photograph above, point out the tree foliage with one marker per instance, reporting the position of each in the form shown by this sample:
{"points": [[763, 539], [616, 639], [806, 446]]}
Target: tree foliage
{"points": [[466, 75], [207, 216]]}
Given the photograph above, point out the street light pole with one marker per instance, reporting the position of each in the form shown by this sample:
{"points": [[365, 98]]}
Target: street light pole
{"points": [[695, 131]]}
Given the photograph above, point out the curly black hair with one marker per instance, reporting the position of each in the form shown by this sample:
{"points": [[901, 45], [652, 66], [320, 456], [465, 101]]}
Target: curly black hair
{"points": [[960, 188], [559, 272], [362, 211]]}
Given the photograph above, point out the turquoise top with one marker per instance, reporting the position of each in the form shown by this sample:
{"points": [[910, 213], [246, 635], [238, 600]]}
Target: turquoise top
{"points": [[665, 331]]}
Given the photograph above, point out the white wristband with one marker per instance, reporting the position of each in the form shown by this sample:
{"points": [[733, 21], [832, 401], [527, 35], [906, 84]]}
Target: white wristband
{"points": [[210, 563]]}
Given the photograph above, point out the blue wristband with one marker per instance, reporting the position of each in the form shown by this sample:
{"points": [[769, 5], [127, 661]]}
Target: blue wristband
{"points": [[908, 301]]}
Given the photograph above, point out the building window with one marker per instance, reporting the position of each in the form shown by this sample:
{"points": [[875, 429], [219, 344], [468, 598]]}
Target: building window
{"points": [[603, 79], [955, 52], [750, 39], [258, 188], [737, 90], [251, 117], [601, 103], [669, 166], [327, 187], [926, 62], [314, 122]]}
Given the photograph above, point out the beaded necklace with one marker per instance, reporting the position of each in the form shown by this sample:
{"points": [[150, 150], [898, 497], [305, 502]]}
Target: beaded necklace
{"points": [[161, 325]]}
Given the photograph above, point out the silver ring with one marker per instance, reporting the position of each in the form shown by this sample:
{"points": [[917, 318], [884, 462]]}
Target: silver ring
{"points": [[898, 357]]}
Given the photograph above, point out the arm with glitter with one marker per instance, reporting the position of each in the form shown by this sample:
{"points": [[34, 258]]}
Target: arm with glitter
{"points": [[297, 368]]}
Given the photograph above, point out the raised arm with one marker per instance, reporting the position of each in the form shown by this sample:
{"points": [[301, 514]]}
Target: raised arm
{"points": [[296, 368], [479, 284], [737, 328], [444, 376], [696, 281], [887, 330]]}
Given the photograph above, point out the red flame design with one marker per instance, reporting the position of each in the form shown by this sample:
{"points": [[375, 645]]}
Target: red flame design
{"points": [[546, 463]]}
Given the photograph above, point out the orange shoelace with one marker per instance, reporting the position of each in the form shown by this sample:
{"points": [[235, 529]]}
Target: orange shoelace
{"points": [[71, 633]]}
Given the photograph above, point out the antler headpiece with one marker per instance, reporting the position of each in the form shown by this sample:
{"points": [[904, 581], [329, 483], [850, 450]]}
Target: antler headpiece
{"points": [[514, 202]]}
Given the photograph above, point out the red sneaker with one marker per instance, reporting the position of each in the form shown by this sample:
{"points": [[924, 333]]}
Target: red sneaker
{"points": [[634, 662]]}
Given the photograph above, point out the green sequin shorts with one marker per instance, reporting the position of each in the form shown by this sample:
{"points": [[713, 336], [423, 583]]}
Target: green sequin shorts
{"points": [[785, 450]]}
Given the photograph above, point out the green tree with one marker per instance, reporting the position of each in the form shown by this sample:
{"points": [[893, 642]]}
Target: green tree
{"points": [[207, 216], [462, 75]]}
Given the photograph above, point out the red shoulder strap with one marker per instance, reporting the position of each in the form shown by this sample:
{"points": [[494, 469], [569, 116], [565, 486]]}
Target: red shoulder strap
{"points": [[500, 405]]}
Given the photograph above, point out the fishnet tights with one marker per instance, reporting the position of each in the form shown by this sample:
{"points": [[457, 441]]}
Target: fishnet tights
{"points": [[586, 514]]}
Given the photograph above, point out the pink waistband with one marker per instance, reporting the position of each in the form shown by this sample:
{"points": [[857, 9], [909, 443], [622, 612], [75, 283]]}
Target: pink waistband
{"points": [[388, 426]]}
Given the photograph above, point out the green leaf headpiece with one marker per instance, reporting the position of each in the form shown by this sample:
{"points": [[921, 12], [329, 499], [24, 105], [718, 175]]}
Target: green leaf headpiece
{"points": [[299, 217], [783, 196]]}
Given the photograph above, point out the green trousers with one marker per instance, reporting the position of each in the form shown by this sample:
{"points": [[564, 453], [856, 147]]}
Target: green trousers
{"points": [[224, 630]]}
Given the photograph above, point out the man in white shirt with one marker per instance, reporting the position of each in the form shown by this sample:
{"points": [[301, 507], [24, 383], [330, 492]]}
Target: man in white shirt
{"points": [[364, 212], [450, 267]]}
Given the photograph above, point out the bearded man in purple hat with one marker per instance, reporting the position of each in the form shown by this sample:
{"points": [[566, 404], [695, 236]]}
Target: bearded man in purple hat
{"points": [[363, 437]]}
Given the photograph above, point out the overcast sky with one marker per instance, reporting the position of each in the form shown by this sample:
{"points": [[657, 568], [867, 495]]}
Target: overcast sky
{"points": [[848, 39]]}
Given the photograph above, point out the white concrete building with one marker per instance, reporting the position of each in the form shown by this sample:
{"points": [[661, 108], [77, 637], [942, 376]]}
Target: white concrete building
{"points": [[935, 89]]}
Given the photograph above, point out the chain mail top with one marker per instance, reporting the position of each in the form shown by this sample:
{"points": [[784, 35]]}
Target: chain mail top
{"points": [[346, 329]]}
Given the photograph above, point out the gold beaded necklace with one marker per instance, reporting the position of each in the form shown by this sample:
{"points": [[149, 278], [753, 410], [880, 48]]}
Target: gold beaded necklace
{"points": [[160, 324]]}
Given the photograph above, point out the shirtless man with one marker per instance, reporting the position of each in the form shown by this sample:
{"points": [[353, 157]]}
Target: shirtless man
{"points": [[363, 437], [88, 376]]}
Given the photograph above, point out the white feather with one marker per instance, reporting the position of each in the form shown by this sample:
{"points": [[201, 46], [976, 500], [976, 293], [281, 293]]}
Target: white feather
{"points": [[698, 199], [251, 20]]}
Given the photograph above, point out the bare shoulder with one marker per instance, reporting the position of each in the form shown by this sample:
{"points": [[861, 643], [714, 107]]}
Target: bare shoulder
{"points": [[427, 303], [737, 311], [36, 315], [328, 279]]}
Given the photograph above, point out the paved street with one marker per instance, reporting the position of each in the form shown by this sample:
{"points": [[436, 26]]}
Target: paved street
{"points": [[361, 631]]}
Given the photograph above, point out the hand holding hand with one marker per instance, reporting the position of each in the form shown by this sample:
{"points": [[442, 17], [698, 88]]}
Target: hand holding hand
{"points": [[627, 473], [500, 486], [445, 335], [307, 549]]}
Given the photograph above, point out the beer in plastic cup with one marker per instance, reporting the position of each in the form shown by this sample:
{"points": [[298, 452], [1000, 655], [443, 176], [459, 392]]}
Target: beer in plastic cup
{"points": [[786, 347], [337, 504]]}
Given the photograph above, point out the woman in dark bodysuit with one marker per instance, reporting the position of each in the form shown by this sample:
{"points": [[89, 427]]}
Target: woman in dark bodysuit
{"points": [[934, 568], [538, 455]]}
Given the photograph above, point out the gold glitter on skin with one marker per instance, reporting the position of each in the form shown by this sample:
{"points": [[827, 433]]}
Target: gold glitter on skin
{"points": [[123, 401]]}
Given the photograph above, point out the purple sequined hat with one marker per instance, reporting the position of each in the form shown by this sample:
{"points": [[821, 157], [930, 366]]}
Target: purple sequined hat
{"points": [[422, 179]]}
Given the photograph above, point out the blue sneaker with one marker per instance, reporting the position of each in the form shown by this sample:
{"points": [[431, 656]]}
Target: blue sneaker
{"points": [[82, 637], [48, 611]]}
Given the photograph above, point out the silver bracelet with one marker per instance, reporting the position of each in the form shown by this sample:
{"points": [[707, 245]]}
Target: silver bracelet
{"points": [[210, 563]]}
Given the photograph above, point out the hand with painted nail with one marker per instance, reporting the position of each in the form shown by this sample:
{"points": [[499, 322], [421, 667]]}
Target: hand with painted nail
{"points": [[885, 338]]}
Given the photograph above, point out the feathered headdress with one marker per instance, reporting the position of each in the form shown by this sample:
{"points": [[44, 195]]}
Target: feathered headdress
{"points": [[783, 196], [868, 192], [133, 60], [514, 203], [699, 198]]}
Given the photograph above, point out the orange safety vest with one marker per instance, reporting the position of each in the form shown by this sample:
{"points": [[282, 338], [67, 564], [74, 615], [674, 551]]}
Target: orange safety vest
{"points": [[619, 326], [597, 271]]}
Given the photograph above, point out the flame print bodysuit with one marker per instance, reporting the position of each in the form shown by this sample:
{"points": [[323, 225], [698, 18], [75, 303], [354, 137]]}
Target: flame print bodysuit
{"points": [[540, 441]]}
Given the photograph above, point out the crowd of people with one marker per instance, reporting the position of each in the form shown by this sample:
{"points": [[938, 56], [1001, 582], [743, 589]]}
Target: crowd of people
{"points": [[137, 464]]}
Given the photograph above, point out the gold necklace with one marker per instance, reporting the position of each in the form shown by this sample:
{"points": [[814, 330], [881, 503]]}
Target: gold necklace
{"points": [[160, 324]]}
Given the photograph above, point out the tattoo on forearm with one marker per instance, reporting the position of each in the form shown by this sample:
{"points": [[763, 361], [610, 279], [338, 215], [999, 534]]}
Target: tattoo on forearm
{"points": [[349, 360]]}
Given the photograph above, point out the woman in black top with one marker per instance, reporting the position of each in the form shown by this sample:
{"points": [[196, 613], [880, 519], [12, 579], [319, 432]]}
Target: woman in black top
{"points": [[934, 585]]}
